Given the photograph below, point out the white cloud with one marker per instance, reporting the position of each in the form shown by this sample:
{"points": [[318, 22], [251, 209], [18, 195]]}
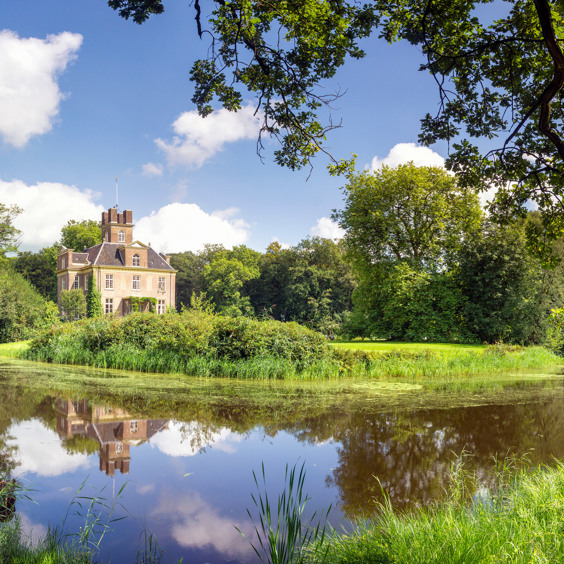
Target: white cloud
{"points": [[39, 450], [196, 523], [188, 439], [33, 532], [47, 206], [327, 228], [198, 139], [152, 169], [403, 153], [186, 227], [29, 93]]}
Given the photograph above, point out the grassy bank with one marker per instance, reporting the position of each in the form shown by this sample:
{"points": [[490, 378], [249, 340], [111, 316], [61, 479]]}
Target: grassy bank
{"points": [[199, 344], [16, 548], [14, 350], [521, 521], [388, 346]]}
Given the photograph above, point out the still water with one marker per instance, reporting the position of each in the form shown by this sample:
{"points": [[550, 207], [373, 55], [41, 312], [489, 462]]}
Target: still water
{"points": [[177, 454]]}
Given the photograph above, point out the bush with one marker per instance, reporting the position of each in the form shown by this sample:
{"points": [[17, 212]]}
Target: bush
{"points": [[186, 335]]}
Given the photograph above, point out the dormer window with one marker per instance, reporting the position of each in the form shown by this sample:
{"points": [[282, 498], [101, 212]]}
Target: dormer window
{"points": [[136, 260], [121, 236]]}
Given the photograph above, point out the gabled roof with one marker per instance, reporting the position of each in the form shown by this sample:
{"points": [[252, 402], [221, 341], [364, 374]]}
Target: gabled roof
{"points": [[108, 254]]}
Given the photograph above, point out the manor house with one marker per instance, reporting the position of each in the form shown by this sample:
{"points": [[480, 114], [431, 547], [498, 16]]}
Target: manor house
{"points": [[127, 273]]}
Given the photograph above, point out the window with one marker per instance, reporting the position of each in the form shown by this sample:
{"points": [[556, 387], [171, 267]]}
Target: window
{"points": [[64, 262], [162, 284], [136, 260], [75, 283], [161, 307], [119, 448], [136, 284], [109, 305], [121, 236], [109, 281], [133, 426], [64, 283]]}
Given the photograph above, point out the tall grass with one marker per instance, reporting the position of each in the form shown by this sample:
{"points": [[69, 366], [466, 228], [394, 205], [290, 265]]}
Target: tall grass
{"points": [[283, 536], [519, 521]]}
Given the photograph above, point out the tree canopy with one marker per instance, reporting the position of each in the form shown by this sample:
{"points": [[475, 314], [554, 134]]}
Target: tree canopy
{"points": [[80, 235], [500, 78], [414, 214]]}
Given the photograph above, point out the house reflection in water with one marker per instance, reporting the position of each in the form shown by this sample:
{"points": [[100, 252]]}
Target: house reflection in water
{"points": [[113, 429]]}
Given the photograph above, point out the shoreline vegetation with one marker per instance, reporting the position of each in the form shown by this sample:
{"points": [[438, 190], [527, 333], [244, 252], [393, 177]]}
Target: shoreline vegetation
{"points": [[197, 343], [517, 519]]}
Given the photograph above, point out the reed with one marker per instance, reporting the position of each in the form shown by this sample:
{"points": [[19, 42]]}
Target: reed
{"points": [[283, 536]]}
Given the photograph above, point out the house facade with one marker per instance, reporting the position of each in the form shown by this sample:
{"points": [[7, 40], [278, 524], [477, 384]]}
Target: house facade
{"points": [[128, 274]]}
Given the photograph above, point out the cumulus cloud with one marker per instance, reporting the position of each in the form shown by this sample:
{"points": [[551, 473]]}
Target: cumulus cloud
{"points": [[40, 452], [196, 523], [29, 93], [152, 169], [186, 227], [403, 153], [327, 228], [188, 439], [198, 139], [47, 206]]}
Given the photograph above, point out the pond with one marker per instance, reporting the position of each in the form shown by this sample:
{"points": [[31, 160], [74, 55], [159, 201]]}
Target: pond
{"points": [[177, 454]]}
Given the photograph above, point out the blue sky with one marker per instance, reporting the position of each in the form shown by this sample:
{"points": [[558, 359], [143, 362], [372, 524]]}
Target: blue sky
{"points": [[86, 96]]}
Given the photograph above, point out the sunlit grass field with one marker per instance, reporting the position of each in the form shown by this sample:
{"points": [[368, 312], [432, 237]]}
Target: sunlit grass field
{"points": [[13, 349]]}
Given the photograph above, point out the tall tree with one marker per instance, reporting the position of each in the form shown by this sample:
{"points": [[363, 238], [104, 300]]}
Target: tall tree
{"points": [[80, 235], [508, 293], [415, 214], [225, 276], [40, 269], [190, 277]]}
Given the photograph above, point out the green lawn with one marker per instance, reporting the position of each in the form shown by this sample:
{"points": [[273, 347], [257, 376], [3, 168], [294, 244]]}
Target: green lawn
{"points": [[384, 346], [13, 349]]}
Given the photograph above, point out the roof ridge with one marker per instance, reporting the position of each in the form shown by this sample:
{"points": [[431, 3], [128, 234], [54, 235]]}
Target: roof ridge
{"points": [[99, 250]]}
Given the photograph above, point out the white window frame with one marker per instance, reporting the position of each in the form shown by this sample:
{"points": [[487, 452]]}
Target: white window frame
{"points": [[76, 283], [64, 262], [121, 236], [133, 426], [136, 283], [64, 283], [161, 307], [136, 259], [161, 285], [109, 281], [109, 306]]}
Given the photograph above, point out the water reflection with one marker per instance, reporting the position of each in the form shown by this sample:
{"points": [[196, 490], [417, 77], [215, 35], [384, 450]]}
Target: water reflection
{"points": [[112, 428], [188, 452]]}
